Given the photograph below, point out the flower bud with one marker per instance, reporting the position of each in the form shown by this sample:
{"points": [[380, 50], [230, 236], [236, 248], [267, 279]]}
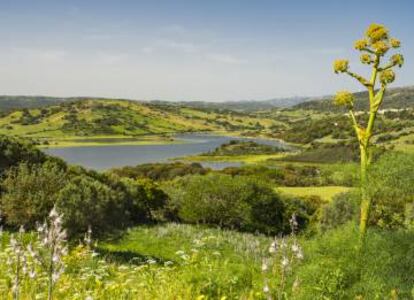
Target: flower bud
{"points": [[376, 32], [366, 58], [360, 44], [397, 60], [344, 98], [341, 65], [387, 76], [380, 47], [395, 43]]}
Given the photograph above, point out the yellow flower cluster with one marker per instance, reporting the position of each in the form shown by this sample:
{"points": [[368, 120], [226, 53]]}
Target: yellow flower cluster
{"points": [[397, 60], [387, 76], [360, 44], [376, 32], [340, 65], [395, 43], [380, 47], [366, 59], [344, 98]]}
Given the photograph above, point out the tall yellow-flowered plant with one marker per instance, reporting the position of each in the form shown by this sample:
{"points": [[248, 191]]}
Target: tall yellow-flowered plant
{"points": [[374, 48]]}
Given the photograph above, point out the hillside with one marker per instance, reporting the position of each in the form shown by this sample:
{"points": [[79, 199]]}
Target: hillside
{"points": [[243, 105], [121, 118], [396, 98], [8, 103]]}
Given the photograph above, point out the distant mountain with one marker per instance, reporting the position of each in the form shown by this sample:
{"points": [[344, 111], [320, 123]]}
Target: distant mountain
{"points": [[240, 105], [8, 103], [395, 98]]}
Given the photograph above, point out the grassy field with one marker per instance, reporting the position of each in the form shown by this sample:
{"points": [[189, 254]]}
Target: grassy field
{"points": [[193, 262], [325, 192]]}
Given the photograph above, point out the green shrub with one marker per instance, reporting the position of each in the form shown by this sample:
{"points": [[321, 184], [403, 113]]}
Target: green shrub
{"points": [[391, 186], [29, 192], [342, 209], [240, 202], [86, 202]]}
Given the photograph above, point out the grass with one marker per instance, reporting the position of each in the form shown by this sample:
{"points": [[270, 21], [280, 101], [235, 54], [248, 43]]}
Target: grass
{"points": [[325, 192], [174, 261]]}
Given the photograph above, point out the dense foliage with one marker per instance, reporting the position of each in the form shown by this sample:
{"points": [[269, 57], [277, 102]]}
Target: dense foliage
{"points": [[33, 183], [160, 171], [238, 202], [237, 147]]}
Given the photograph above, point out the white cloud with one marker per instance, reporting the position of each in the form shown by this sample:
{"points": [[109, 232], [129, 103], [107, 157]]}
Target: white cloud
{"points": [[97, 36], [226, 59], [47, 55], [186, 47], [110, 58]]}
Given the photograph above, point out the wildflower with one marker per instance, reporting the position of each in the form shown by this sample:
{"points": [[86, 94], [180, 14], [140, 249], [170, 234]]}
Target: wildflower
{"points": [[395, 43], [361, 44], [299, 254], [285, 262], [380, 47], [273, 247], [387, 76], [341, 65], [295, 285], [51, 249], [376, 32], [366, 58], [266, 289], [397, 60], [344, 98], [283, 244], [265, 266]]}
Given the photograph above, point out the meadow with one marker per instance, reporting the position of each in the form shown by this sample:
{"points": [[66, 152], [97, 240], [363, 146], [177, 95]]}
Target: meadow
{"points": [[282, 225]]}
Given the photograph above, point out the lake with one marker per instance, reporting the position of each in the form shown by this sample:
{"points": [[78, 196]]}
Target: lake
{"points": [[111, 156]]}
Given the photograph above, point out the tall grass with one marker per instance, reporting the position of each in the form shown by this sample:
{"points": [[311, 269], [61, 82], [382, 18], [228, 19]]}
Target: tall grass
{"points": [[174, 261]]}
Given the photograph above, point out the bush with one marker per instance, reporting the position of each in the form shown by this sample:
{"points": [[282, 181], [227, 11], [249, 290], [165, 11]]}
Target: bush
{"points": [[29, 192], [87, 202], [239, 202], [86, 198], [391, 186], [342, 209]]}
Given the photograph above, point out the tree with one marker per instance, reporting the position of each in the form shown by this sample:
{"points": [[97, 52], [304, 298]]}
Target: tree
{"points": [[374, 48]]}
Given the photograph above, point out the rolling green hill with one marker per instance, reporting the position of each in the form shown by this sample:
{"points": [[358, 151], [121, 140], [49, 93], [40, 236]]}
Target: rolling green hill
{"points": [[396, 98], [98, 118], [9, 103]]}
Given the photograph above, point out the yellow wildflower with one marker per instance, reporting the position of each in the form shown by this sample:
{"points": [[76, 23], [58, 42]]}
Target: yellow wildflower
{"points": [[341, 65], [387, 76], [376, 32], [344, 98]]}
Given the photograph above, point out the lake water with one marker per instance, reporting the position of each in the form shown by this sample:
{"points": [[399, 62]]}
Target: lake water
{"points": [[106, 157]]}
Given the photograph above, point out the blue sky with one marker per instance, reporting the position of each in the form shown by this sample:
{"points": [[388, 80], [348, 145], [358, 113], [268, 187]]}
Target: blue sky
{"points": [[212, 50]]}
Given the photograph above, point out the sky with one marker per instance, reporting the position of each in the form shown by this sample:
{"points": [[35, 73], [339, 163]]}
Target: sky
{"points": [[215, 50]]}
